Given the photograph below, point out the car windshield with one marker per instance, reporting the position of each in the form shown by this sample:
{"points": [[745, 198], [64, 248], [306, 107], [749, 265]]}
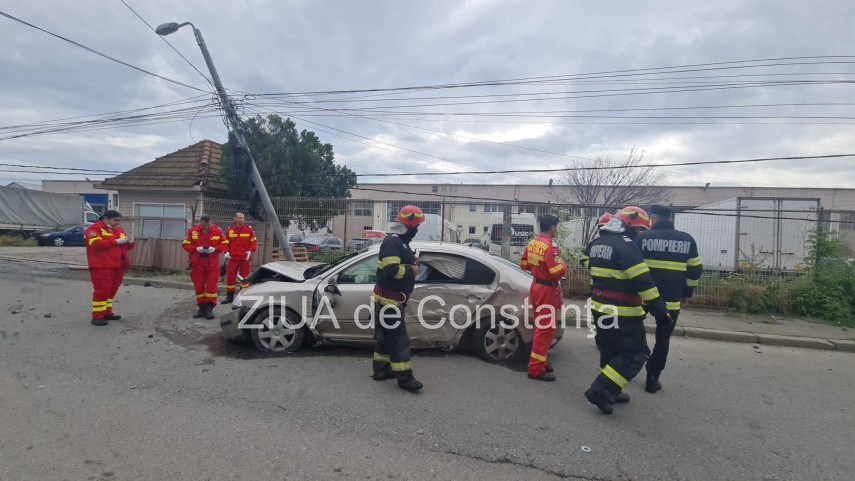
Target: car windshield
{"points": [[315, 240], [315, 271]]}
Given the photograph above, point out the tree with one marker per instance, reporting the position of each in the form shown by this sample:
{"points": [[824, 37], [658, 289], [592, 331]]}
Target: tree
{"points": [[292, 164], [599, 186]]}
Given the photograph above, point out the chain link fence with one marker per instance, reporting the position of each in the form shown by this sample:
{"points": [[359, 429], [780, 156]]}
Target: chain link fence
{"points": [[751, 247]]}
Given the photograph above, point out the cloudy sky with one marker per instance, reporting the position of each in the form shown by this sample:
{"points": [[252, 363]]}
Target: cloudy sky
{"points": [[566, 109]]}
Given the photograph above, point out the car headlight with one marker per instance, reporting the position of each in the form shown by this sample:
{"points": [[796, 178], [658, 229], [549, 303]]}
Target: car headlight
{"points": [[236, 304], [45, 235]]}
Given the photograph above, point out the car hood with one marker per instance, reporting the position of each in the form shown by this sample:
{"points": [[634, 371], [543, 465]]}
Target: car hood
{"points": [[292, 270]]}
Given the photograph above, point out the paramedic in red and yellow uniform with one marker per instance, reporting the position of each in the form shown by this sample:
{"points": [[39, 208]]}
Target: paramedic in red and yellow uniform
{"points": [[241, 245], [107, 248], [543, 259], [204, 243]]}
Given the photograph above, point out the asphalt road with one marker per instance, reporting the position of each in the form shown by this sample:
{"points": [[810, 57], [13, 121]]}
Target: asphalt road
{"points": [[159, 396]]}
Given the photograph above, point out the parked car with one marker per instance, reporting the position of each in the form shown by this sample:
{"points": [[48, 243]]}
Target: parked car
{"points": [[359, 244], [63, 236], [295, 238], [320, 245], [271, 310], [476, 242]]}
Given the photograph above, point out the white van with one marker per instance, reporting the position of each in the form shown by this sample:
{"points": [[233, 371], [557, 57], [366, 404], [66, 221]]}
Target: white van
{"points": [[523, 228], [431, 230]]}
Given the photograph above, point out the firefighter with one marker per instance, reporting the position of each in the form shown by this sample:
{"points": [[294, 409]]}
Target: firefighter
{"points": [[622, 283], [672, 256], [204, 243], [107, 248], [397, 268], [241, 243], [543, 259]]}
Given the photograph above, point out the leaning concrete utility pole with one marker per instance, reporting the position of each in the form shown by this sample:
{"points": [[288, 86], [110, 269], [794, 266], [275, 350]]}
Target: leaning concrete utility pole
{"points": [[234, 120]]}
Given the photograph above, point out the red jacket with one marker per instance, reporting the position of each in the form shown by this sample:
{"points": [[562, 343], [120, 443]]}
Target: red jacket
{"points": [[197, 238], [240, 240], [102, 250], [543, 259]]}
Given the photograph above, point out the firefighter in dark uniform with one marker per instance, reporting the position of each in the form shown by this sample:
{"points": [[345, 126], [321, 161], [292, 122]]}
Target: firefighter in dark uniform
{"points": [[397, 268], [622, 283], [543, 259], [672, 256]]}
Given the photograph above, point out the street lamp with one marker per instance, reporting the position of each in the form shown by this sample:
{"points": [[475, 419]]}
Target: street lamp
{"points": [[171, 27]]}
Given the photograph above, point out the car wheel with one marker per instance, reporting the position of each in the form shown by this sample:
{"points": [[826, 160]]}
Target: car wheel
{"points": [[497, 343], [59, 242], [276, 333]]}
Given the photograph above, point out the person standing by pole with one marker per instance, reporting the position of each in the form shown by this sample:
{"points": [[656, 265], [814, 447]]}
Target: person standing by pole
{"points": [[241, 244], [107, 248], [204, 243], [675, 265], [543, 259]]}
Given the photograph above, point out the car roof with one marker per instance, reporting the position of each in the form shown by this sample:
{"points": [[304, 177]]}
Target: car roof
{"points": [[446, 247]]}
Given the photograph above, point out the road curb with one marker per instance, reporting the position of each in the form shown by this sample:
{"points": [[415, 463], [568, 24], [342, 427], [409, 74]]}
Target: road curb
{"points": [[842, 345]]}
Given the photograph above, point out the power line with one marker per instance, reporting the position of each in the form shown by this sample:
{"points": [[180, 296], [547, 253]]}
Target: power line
{"points": [[99, 53], [611, 167], [167, 42]]}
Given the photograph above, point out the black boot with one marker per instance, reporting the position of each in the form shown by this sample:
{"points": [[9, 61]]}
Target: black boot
{"points": [[230, 296], [200, 313], [99, 322], [601, 400], [546, 376], [407, 381], [382, 371], [209, 311], [112, 317], [622, 398], [549, 368], [653, 384]]}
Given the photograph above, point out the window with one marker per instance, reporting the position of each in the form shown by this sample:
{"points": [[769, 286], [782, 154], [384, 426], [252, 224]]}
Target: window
{"points": [[494, 207], [395, 206], [448, 268], [472, 229], [363, 272], [520, 234], [362, 208], [160, 220], [486, 229], [473, 208]]}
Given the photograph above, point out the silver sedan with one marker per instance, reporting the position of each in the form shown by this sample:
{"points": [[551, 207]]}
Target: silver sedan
{"points": [[463, 297]]}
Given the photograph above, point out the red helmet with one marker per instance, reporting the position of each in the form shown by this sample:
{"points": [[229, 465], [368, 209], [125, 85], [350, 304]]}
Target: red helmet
{"points": [[604, 219], [634, 217], [411, 216]]}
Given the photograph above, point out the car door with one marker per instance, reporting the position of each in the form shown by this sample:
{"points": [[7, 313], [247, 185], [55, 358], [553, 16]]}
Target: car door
{"points": [[448, 296], [346, 295], [74, 236]]}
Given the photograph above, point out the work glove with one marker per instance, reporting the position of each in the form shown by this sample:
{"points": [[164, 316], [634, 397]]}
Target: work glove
{"points": [[122, 240], [664, 321], [228, 256], [248, 255], [201, 250], [131, 240], [210, 250]]}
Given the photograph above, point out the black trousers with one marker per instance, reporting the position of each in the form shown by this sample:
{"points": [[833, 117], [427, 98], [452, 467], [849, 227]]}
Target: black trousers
{"points": [[656, 363], [392, 341], [623, 351]]}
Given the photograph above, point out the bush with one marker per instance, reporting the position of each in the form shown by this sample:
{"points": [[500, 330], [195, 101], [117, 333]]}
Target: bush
{"points": [[16, 241]]}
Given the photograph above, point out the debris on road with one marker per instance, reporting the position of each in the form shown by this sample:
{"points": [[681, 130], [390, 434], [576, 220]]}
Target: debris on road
{"points": [[586, 449]]}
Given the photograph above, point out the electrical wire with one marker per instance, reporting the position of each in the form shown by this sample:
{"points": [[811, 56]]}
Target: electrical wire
{"points": [[126, 64]]}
